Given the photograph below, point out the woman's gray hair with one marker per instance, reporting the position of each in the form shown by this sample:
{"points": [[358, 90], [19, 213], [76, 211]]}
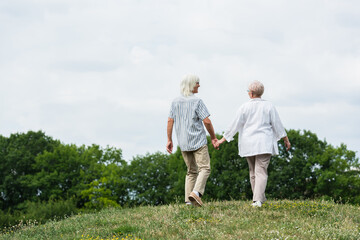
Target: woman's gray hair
{"points": [[257, 88], [187, 84]]}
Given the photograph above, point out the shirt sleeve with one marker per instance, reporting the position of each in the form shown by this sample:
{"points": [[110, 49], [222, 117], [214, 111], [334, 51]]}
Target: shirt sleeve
{"points": [[276, 124], [172, 112], [202, 111], [235, 126]]}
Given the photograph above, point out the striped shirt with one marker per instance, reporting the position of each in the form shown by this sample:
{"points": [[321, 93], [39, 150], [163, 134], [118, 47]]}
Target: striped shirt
{"points": [[188, 114]]}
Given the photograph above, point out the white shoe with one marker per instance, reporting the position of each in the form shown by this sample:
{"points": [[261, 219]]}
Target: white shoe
{"points": [[256, 204]]}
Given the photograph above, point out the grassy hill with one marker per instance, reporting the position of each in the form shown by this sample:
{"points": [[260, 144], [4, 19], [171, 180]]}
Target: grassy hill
{"points": [[217, 220]]}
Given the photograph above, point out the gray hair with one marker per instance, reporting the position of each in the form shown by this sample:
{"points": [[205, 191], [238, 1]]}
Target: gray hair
{"points": [[187, 84], [257, 88]]}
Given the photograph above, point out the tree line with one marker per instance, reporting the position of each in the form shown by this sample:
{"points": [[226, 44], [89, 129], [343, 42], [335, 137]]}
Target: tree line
{"points": [[43, 178]]}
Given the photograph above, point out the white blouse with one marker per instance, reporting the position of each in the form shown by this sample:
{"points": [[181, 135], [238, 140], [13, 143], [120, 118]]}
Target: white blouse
{"points": [[259, 127]]}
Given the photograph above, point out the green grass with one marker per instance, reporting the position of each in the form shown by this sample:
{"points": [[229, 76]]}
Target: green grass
{"points": [[216, 220]]}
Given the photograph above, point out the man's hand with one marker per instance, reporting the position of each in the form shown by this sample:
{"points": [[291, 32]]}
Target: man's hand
{"points": [[169, 147], [210, 129], [215, 143]]}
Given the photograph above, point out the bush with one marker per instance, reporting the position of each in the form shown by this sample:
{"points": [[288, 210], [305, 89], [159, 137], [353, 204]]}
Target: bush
{"points": [[37, 212], [8, 219], [43, 211]]}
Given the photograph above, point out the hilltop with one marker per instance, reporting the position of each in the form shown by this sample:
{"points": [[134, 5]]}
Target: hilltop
{"points": [[217, 220]]}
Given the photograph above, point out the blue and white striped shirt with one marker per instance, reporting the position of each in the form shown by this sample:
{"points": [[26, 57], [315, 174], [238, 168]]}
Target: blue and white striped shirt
{"points": [[188, 114]]}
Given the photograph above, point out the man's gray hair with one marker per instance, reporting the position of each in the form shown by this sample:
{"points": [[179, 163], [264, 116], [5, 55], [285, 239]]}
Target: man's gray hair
{"points": [[257, 88], [187, 84]]}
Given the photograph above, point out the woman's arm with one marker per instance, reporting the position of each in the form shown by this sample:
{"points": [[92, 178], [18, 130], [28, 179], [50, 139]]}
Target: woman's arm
{"points": [[287, 143], [221, 141], [235, 126]]}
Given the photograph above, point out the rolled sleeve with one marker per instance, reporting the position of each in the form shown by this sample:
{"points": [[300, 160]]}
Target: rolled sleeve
{"points": [[171, 113], [202, 111]]}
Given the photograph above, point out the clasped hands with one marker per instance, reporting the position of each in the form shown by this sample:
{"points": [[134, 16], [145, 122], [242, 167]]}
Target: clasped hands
{"points": [[216, 142]]}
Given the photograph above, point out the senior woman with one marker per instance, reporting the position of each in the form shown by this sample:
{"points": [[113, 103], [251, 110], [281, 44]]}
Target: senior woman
{"points": [[259, 127]]}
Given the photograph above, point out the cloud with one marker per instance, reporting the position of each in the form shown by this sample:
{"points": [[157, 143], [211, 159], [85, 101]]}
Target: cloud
{"points": [[106, 72]]}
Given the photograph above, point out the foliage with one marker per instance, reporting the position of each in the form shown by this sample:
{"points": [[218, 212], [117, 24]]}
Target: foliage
{"points": [[17, 156], [8, 219], [69, 170], [312, 168], [38, 212], [37, 169], [39, 173], [52, 209], [149, 179], [291, 173], [108, 191], [338, 175]]}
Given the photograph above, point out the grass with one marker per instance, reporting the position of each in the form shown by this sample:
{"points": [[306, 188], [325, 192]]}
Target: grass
{"points": [[217, 220]]}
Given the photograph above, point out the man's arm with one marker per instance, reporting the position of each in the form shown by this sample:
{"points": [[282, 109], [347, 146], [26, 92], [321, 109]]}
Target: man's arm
{"points": [[169, 145], [210, 129]]}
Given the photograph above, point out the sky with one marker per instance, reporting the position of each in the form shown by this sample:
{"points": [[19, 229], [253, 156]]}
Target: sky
{"points": [[105, 72]]}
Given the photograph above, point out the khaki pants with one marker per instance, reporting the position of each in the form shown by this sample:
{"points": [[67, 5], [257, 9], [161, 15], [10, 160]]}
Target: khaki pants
{"points": [[198, 170], [258, 175]]}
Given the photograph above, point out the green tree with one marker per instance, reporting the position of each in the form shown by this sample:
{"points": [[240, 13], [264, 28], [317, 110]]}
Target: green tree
{"points": [[291, 173], [98, 195], [69, 170], [149, 179], [338, 175], [313, 168], [110, 190], [17, 157]]}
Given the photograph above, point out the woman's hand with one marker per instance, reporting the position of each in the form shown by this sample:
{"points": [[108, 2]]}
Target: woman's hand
{"points": [[287, 143], [221, 141]]}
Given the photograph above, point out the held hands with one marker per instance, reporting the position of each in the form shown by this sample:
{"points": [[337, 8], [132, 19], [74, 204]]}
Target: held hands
{"points": [[216, 143]]}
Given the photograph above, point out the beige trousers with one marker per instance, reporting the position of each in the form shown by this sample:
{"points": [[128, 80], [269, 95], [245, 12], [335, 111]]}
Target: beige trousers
{"points": [[258, 175], [198, 170]]}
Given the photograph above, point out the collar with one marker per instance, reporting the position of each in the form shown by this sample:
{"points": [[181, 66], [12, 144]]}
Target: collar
{"points": [[256, 99]]}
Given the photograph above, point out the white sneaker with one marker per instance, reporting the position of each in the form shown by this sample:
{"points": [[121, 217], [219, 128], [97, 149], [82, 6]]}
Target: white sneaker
{"points": [[256, 204]]}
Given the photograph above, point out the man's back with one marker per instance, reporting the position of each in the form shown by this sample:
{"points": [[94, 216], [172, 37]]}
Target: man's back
{"points": [[188, 114]]}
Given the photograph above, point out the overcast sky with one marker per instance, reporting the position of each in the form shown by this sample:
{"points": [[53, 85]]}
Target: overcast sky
{"points": [[105, 72]]}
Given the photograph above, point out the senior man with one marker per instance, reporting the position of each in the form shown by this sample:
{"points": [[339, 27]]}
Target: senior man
{"points": [[188, 113]]}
